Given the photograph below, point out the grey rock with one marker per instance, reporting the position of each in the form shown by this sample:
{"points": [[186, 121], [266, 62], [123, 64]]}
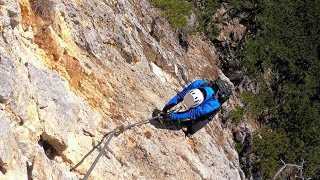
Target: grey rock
{"points": [[56, 105], [14, 23], [239, 137], [6, 86], [246, 128], [53, 93], [6, 141], [6, 64], [242, 131], [12, 14], [4, 128], [235, 77], [248, 85]]}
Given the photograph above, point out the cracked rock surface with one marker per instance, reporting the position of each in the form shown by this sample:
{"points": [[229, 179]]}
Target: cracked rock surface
{"points": [[76, 73]]}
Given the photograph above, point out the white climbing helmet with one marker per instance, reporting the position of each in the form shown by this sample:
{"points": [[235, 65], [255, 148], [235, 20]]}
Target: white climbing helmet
{"points": [[193, 98]]}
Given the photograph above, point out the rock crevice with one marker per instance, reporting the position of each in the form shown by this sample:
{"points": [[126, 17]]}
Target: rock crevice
{"points": [[3, 168]]}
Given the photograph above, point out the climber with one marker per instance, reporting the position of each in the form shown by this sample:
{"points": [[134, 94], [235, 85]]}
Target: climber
{"points": [[202, 100]]}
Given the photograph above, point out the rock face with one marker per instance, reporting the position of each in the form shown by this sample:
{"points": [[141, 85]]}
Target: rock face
{"points": [[71, 71]]}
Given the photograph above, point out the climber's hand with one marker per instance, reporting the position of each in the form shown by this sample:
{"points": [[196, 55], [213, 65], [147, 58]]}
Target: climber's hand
{"points": [[165, 117]]}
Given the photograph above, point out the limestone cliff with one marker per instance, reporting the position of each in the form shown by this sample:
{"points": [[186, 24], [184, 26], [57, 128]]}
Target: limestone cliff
{"points": [[71, 71]]}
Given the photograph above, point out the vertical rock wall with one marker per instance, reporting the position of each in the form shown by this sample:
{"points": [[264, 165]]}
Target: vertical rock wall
{"points": [[71, 71]]}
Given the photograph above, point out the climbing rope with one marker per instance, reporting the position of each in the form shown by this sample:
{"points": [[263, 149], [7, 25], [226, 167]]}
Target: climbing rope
{"points": [[117, 131]]}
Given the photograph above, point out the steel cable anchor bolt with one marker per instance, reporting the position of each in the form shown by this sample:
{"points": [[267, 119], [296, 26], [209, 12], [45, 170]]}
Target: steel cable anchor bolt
{"points": [[119, 130]]}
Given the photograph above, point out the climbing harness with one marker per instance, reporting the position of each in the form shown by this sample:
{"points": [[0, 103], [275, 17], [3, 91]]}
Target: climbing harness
{"points": [[117, 131]]}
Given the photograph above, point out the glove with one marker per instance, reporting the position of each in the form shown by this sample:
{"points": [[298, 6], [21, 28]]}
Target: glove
{"points": [[165, 109], [165, 117]]}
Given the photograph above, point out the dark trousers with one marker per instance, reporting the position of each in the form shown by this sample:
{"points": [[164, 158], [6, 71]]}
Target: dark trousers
{"points": [[194, 126]]}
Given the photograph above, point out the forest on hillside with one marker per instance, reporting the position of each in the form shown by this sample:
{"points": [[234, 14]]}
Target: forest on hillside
{"points": [[281, 53], [286, 43]]}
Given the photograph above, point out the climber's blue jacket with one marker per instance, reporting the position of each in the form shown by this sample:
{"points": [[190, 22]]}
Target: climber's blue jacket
{"points": [[208, 105]]}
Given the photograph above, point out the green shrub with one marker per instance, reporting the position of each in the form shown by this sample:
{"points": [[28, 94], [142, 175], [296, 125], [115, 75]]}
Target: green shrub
{"points": [[242, 4], [237, 115], [206, 21], [273, 146], [178, 11], [175, 11], [288, 42], [238, 147], [254, 103]]}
